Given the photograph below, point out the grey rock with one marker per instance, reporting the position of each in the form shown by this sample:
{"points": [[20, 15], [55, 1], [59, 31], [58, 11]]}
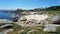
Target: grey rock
{"points": [[7, 26], [50, 28], [6, 31], [33, 20], [56, 19]]}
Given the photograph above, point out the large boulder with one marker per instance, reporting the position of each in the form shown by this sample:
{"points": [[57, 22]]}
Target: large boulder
{"points": [[33, 20], [50, 28], [56, 19], [6, 26]]}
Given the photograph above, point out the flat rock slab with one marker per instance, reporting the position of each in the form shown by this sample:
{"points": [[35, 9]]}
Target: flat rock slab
{"points": [[50, 28]]}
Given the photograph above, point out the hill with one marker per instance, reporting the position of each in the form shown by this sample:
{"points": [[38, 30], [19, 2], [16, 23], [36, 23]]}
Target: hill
{"points": [[53, 8]]}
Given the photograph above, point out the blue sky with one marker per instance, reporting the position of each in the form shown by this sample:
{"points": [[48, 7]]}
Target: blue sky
{"points": [[27, 4]]}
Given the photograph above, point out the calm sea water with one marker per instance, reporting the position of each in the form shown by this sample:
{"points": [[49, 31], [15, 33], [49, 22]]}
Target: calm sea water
{"points": [[5, 15]]}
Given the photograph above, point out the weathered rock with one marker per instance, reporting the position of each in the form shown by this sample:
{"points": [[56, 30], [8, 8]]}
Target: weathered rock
{"points": [[32, 20], [6, 31], [56, 19], [50, 28], [6, 26]]}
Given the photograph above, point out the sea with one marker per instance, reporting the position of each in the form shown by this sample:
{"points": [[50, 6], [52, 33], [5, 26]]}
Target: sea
{"points": [[6, 15]]}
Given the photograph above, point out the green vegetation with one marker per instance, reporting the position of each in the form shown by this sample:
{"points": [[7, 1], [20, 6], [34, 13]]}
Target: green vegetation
{"points": [[39, 30], [51, 13], [53, 10]]}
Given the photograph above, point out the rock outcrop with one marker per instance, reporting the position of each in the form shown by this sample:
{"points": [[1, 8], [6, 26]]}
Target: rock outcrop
{"points": [[33, 20], [56, 19], [50, 28]]}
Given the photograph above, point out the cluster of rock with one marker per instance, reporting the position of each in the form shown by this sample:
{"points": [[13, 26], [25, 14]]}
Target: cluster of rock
{"points": [[4, 23], [32, 13], [33, 20], [37, 20], [15, 17], [53, 27], [6, 31]]}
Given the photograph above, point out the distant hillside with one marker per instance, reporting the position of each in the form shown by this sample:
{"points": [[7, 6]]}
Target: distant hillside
{"points": [[53, 8]]}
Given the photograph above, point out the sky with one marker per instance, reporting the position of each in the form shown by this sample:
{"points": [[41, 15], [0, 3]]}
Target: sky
{"points": [[27, 4]]}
